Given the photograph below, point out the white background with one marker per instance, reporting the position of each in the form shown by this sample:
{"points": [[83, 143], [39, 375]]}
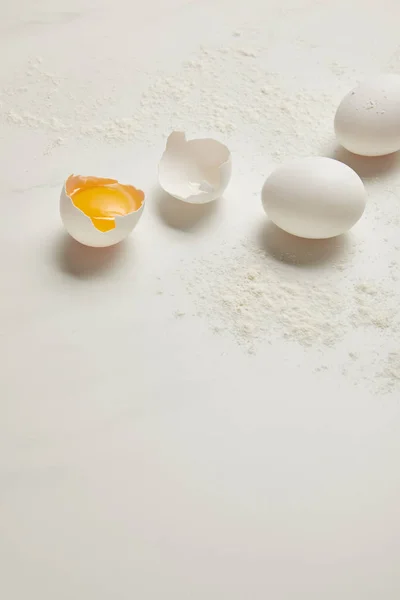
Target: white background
{"points": [[142, 456]]}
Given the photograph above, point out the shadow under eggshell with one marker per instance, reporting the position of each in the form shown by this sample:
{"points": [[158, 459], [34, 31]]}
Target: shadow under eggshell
{"points": [[185, 216], [85, 262]]}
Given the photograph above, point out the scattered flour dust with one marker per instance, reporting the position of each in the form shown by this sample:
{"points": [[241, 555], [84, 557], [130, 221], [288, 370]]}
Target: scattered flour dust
{"points": [[390, 376], [252, 297], [374, 306], [254, 301], [216, 91]]}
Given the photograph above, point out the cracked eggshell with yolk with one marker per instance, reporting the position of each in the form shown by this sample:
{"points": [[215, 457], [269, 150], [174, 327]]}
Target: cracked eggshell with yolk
{"points": [[99, 212], [195, 171]]}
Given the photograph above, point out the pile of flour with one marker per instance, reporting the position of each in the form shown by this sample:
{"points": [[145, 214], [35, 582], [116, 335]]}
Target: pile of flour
{"points": [[256, 299]]}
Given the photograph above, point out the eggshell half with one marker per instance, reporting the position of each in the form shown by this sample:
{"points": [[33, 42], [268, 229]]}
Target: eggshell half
{"points": [[81, 227], [314, 197], [195, 171], [367, 121]]}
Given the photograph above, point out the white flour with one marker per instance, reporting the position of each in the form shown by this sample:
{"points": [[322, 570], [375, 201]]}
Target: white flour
{"points": [[253, 300], [250, 296], [213, 93], [390, 376]]}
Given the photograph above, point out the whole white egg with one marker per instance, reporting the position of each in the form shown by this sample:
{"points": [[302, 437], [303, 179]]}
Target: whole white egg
{"points": [[367, 121], [314, 197]]}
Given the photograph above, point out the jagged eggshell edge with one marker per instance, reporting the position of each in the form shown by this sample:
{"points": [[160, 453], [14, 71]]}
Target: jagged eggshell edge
{"points": [[175, 145], [81, 228]]}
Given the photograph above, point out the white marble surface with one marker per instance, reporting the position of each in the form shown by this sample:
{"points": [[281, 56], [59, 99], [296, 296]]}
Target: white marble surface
{"points": [[141, 455]]}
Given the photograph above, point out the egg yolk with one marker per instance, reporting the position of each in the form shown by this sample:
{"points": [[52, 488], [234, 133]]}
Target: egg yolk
{"points": [[103, 199], [102, 204]]}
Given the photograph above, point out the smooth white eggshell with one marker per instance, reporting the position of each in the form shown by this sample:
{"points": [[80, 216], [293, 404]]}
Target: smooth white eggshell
{"points": [[195, 171], [81, 228], [314, 197], [367, 121]]}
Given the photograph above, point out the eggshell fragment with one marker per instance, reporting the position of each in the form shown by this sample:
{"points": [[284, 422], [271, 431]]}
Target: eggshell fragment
{"points": [[99, 212], [367, 121], [195, 171], [314, 198]]}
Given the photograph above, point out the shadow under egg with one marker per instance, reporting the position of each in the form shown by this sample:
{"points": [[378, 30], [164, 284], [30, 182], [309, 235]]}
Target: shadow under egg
{"points": [[366, 167], [297, 251]]}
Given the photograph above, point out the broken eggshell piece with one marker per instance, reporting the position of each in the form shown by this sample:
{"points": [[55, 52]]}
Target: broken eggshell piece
{"points": [[195, 171], [99, 212]]}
